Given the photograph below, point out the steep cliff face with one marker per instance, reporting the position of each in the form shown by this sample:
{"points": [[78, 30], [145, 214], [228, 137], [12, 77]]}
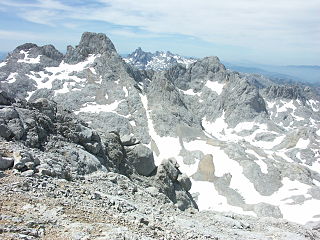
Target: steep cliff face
{"points": [[263, 139]]}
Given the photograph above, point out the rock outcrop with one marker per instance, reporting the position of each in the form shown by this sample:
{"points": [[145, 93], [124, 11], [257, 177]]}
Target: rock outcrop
{"points": [[65, 147], [290, 92]]}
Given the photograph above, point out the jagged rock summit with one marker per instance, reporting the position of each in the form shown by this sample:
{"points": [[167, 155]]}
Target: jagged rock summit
{"points": [[155, 61], [246, 146], [90, 43]]}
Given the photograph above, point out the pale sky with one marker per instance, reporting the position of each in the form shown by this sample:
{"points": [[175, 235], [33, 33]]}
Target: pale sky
{"points": [[280, 32]]}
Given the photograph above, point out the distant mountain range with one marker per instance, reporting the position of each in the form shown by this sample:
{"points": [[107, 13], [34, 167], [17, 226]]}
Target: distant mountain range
{"points": [[156, 61], [280, 74]]}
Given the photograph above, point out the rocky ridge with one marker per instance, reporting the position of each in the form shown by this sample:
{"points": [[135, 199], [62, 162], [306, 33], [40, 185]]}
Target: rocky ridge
{"points": [[156, 61], [247, 148]]}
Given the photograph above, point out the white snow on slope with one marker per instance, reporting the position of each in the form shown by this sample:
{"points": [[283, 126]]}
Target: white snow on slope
{"points": [[270, 104], [219, 129], [97, 108], [27, 59], [287, 105], [126, 93], [12, 77], [303, 143], [215, 128], [263, 166], [62, 72], [168, 146], [291, 107], [211, 200], [2, 64], [315, 105], [190, 92], [223, 164], [215, 86], [185, 61], [65, 68]]}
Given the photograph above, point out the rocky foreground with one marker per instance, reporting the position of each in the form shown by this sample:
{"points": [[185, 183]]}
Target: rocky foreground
{"points": [[62, 180], [112, 206]]}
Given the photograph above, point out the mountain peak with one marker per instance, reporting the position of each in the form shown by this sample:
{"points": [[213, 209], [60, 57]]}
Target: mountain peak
{"points": [[159, 60], [25, 46], [90, 43], [96, 43], [211, 64], [139, 51]]}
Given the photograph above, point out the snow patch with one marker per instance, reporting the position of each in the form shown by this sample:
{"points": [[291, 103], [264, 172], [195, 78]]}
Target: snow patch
{"points": [[263, 166], [212, 200], [190, 92], [27, 59], [2, 64], [315, 105], [168, 146], [303, 143], [97, 108], [62, 72], [126, 93], [286, 106], [132, 123], [244, 126], [64, 68], [217, 127], [270, 104], [209, 199], [12, 77], [93, 70], [215, 86]]}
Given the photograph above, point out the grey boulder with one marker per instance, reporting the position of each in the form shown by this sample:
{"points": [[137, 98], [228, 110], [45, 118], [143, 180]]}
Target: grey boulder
{"points": [[142, 159], [5, 131], [5, 163], [185, 182]]}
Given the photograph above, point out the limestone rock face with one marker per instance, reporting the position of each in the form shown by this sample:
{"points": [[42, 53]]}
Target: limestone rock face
{"points": [[5, 99], [286, 92], [242, 101], [205, 171], [90, 43], [174, 184]]}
